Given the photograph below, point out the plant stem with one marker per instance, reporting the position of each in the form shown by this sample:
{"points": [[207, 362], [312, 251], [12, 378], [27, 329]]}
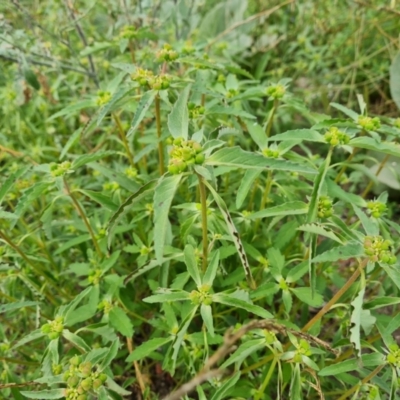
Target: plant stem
{"points": [[138, 373], [335, 298], [271, 118], [264, 199], [379, 170], [203, 200], [365, 380], [160, 145], [344, 167], [266, 380], [84, 218], [123, 138]]}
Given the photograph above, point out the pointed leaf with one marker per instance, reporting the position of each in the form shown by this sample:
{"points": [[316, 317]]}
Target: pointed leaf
{"points": [[121, 322], [299, 134], [110, 355], [289, 208], [145, 102], [191, 264], [395, 80], [236, 157], [229, 300], [246, 184], [178, 119], [206, 314], [163, 196], [212, 269], [126, 205], [351, 249], [180, 295], [45, 394]]}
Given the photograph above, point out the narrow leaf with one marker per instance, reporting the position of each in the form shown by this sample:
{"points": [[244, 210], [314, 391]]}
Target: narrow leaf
{"points": [[144, 104], [178, 119], [351, 249], [246, 184], [120, 321], [289, 208], [191, 264], [45, 394], [163, 195], [206, 314]]}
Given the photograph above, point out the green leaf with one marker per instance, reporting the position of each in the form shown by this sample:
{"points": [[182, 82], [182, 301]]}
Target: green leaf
{"points": [[244, 350], [118, 95], [370, 226], [70, 308], [258, 134], [395, 80], [237, 158], [233, 233], [320, 230], [120, 321], [180, 295], [223, 389], [71, 243], [246, 184], [70, 142], [392, 273], [10, 181], [305, 295], [103, 200], [381, 302], [86, 311], [45, 394], [178, 119], [212, 268], [163, 196], [76, 340], [229, 300], [88, 158], [335, 190], [29, 338], [110, 355], [74, 107], [126, 205], [229, 111], [206, 314], [191, 264], [356, 320], [17, 305], [31, 78], [369, 143], [145, 102], [289, 208], [351, 249], [319, 181], [353, 364], [299, 134], [350, 113]]}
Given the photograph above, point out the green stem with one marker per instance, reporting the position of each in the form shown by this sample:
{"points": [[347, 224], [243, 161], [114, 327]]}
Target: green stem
{"points": [[271, 118], [160, 145], [203, 200], [266, 380], [335, 298], [264, 198], [84, 218], [379, 170], [123, 138]]}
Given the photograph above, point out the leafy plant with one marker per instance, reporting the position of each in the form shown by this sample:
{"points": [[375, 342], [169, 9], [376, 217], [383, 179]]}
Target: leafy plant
{"points": [[169, 215]]}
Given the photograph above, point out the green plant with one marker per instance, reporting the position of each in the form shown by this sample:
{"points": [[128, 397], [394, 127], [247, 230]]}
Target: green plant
{"points": [[188, 222]]}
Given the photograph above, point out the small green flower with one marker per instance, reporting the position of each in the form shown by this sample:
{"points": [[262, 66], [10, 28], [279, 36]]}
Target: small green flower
{"points": [[368, 123]]}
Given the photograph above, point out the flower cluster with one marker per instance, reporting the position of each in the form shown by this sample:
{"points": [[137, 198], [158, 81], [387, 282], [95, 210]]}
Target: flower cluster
{"points": [[147, 79], [195, 111], [167, 54], [128, 32], [325, 207], [379, 249], [303, 349], [335, 137], [201, 296], [81, 378], [276, 91], [376, 208], [103, 97], [57, 170], [183, 154], [368, 123], [53, 329], [271, 153]]}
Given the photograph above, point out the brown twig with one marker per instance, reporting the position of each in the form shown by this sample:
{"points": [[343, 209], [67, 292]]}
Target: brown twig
{"points": [[229, 345], [139, 375]]}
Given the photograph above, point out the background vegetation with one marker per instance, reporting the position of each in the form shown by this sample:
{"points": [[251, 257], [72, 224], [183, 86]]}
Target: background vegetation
{"points": [[199, 199]]}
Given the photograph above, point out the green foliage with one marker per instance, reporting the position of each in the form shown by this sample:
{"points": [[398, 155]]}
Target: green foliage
{"points": [[173, 207]]}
